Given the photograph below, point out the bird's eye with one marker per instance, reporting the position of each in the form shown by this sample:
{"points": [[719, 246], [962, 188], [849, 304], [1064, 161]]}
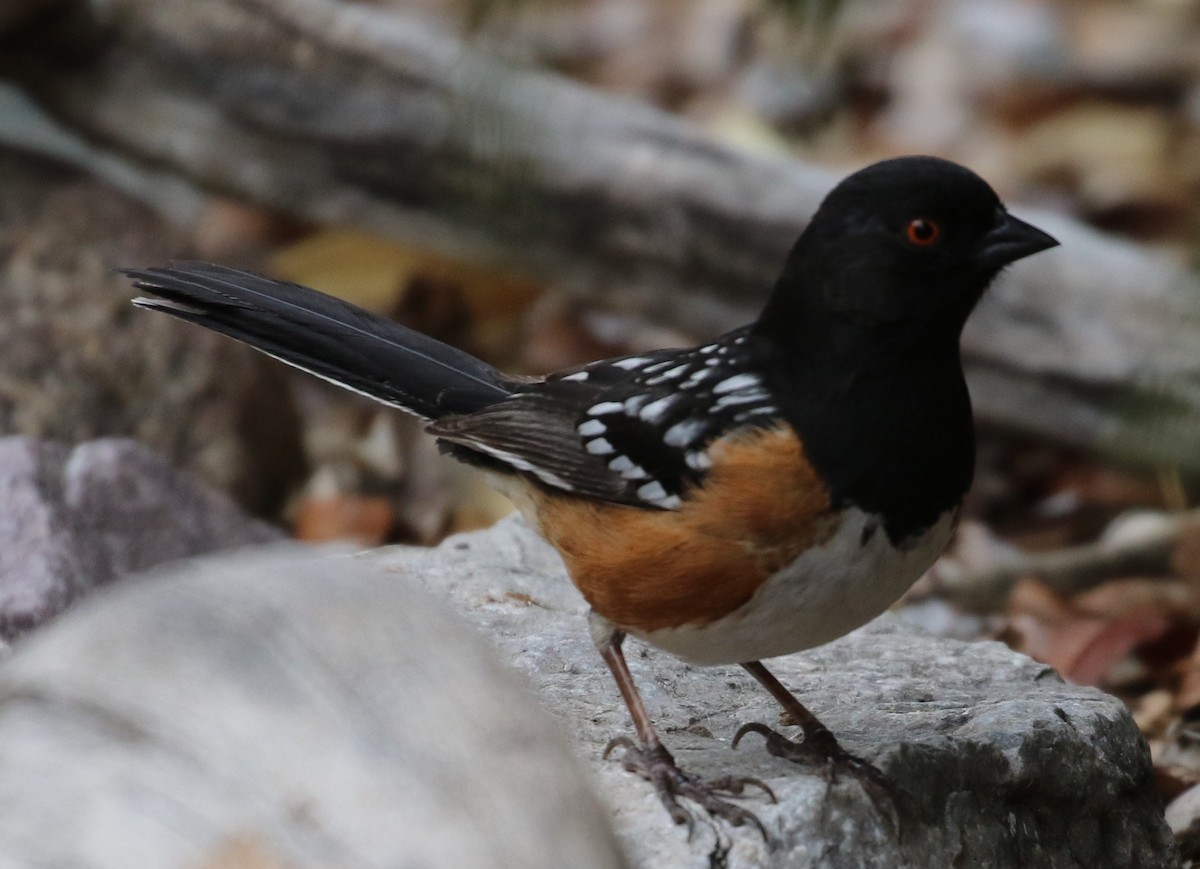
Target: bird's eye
{"points": [[922, 232]]}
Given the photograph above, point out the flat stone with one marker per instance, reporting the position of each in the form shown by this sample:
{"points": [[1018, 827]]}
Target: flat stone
{"points": [[280, 708], [1005, 763]]}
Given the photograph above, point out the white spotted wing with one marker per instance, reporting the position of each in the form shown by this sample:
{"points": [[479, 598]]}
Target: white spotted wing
{"points": [[632, 430]]}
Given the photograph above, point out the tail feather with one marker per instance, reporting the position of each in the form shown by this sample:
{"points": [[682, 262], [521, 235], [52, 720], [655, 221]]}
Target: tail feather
{"points": [[325, 336]]}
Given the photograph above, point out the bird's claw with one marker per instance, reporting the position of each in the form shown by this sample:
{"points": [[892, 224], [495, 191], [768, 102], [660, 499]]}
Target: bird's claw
{"points": [[822, 748], [656, 765]]}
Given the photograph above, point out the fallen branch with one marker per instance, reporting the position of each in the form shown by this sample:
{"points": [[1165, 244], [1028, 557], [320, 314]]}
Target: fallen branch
{"points": [[357, 115], [1070, 571]]}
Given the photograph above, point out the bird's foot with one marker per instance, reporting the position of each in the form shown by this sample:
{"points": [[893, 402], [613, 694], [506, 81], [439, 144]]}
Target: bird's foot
{"points": [[820, 747], [656, 765]]}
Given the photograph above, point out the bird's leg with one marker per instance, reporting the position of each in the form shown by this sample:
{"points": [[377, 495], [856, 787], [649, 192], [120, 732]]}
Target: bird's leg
{"points": [[649, 758], [819, 744]]}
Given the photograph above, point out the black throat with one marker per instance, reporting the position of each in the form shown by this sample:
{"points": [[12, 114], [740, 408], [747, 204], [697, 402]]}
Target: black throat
{"points": [[886, 422]]}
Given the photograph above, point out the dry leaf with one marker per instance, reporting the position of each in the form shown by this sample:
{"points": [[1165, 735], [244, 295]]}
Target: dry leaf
{"points": [[1122, 598], [229, 229], [363, 519], [243, 851], [356, 266], [1171, 780], [1187, 696], [1082, 648], [1153, 711], [1185, 561]]}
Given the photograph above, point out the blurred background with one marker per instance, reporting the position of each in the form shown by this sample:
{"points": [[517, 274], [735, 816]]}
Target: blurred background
{"points": [[546, 182]]}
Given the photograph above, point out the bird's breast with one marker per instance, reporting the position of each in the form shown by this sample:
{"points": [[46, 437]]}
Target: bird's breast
{"points": [[755, 563], [826, 592]]}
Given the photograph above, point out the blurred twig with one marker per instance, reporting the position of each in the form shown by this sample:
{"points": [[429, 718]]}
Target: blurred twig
{"points": [[1072, 570]]}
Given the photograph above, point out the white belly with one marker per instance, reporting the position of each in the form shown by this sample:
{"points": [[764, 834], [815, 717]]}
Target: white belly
{"points": [[822, 595]]}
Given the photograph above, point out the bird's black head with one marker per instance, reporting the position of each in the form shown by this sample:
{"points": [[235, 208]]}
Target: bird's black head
{"points": [[901, 250], [860, 336]]}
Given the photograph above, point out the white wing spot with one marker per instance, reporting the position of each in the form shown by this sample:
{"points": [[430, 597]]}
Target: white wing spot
{"points": [[698, 461], [671, 374], [637, 472], [624, 466], [699, 377], [659, 366], [621, 463], [738, 381], [708, 348], [604, 407], [591, 428], [634, 403], [740, 398], [628, 471], [631, 363], [656, 494], [684, 433], [655, 410], [578, 375], [599, 447], [754, 411]]}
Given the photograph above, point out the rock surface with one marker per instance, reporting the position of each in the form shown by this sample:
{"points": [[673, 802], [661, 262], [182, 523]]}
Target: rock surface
{"points": [[1008, 766], [319, 711], [77, 517], [280, 709]]}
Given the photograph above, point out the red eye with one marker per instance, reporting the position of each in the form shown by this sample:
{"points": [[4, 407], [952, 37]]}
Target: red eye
{"points": [[922, 232]]}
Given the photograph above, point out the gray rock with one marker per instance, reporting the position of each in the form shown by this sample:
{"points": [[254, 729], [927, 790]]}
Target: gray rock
{"points": [[332, 718], [281, 709], [1183, 815], [1184, 811], [79, 517], [80, 363], [1007, 765]]}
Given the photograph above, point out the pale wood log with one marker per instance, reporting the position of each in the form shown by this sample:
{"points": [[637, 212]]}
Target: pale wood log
{"points": [[364, 116]]}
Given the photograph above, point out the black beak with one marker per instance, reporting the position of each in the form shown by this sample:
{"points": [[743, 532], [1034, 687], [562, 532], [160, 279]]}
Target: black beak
{"points": [[1012, 239]]}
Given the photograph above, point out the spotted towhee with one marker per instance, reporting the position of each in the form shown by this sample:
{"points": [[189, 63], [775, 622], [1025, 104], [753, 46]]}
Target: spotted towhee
{"points": [[755, 496]]}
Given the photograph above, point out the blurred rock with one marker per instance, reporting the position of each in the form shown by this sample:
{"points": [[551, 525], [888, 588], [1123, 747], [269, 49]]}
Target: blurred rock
{"points": [[791, 98], [76, 518], [276, 710], [1007, 765], [1183, 814], [80, 363], [938, 618]]}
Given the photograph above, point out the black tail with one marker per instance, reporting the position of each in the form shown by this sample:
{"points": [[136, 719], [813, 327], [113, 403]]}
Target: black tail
{"points": [[326, 337]]}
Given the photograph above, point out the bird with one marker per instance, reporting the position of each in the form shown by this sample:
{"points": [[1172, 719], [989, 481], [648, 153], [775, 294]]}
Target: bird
{"points": [[756, 495]]}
